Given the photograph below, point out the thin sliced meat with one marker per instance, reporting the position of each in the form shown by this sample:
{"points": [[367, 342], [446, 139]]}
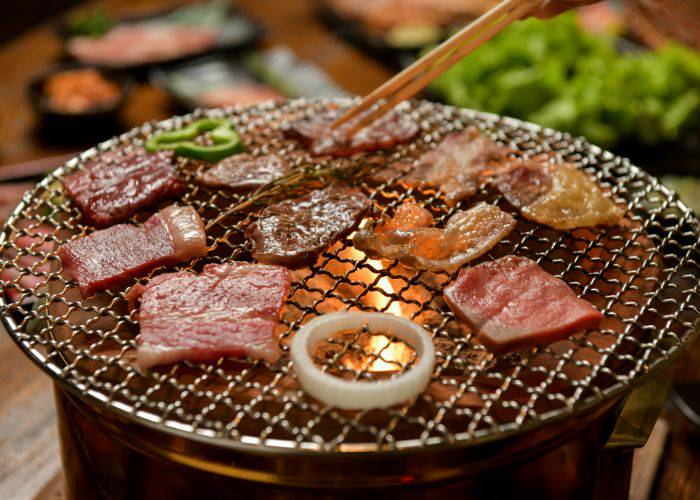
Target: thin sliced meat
{"points": [[457, 165], [293, 232], [244, 172], [111, 257], [512, 304], [29, 264], [560, 196], [386, 132], [410, 237], [245, 94], [389, 237], [111, 189], [390, 173], [384, 15], [142, 43], [227, 310]]}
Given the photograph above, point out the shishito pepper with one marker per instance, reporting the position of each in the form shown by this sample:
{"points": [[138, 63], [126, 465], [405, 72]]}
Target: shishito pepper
{"points": [[225, 138]]}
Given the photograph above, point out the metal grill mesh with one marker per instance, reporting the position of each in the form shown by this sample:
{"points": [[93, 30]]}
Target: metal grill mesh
{"points": [[643, 275]]}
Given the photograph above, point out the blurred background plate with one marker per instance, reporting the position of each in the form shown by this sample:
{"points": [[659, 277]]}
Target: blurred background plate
{"points": [[135, 39], [397, 27], [215, 81]]}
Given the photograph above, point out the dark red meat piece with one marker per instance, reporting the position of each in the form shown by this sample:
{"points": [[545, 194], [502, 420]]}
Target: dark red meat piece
{"points": [[524, 183], [227, 310], [386, 132], [459, 164], [293, 232], [244, 172], [111, 191], [111, 257], [512, 304]]}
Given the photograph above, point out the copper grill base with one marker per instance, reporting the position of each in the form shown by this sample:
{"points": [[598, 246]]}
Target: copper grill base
{"points": [[102, 459], [252, 421]]}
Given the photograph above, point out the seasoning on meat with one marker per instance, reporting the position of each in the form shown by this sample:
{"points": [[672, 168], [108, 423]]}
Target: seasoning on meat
{"points": [[244, 172], [384, 133], [110, 190], [228, 310], [512, 304], [560, 196], [293, 232], [456, 166], [110, 257], [410, 237]]}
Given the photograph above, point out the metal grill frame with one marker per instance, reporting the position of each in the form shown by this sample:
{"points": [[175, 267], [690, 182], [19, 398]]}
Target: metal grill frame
{"points": [[530, 140]]}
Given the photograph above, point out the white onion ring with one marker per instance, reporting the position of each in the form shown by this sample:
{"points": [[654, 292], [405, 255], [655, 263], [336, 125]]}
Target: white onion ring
{"points": [[352, 394]]}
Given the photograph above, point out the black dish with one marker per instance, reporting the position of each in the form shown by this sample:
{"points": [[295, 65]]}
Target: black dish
{"points": [[93, 115], [38, 98]]}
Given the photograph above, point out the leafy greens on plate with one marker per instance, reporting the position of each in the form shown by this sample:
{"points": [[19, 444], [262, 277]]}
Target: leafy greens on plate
{"points": [[556, 74]]}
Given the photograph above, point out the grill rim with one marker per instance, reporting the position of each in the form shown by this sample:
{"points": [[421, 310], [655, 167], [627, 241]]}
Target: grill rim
{"points": [[268, 446], [546, 419]]}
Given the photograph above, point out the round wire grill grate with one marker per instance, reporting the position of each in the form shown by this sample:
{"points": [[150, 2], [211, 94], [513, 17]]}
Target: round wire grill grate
{"points": [[642, 274]]}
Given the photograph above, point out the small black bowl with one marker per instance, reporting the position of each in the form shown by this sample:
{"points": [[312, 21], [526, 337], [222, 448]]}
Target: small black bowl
{"points": [[90, 116]]}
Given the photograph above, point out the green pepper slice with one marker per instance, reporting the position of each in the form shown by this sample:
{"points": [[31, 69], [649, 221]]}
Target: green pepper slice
{"points": [[181, 141]]}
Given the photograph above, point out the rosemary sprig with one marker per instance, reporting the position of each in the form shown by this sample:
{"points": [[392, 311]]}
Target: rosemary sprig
{"points": [[297, 177]]}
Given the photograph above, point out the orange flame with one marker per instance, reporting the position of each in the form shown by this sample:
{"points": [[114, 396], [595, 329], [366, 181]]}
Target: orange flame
{"points": [[378, 299], [392, 354]]}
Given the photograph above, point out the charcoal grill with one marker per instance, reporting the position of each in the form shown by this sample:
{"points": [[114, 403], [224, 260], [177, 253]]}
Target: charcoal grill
{"points": [[249, 420]]}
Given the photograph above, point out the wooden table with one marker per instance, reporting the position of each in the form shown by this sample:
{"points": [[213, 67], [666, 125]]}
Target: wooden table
{"points": [[28, 442]]}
